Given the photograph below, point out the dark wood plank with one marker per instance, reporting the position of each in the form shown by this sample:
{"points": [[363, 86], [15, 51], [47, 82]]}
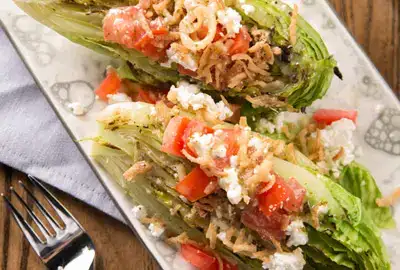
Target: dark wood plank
{"points": [[376, 27]]}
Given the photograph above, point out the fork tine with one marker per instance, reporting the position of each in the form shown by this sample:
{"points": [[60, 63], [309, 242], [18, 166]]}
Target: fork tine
{"points": [[26, 229], [43, 210], [60, 209], [39, 223]]}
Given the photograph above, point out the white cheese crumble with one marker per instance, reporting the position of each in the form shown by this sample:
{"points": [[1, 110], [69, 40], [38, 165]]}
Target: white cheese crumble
{"points": [[286, 261], [256, 143], [221, 236], [248, 9], [219, 151], [202, 144], [230, 19], [297, 234], [139, 212], [322, 209], [118, 98], [76, 108], [335, 136], [189, 96], [265, 126], [233, 161], [156, 230], [185, 59], [230, 183], [290, 117]]}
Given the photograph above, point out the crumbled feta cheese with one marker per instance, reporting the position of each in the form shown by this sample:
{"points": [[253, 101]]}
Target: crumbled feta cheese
{"points": [[218, 132], [256, 143], [185, 59], [290, 117], [118, 98], [233, 161], [265, 126], [335, 136], [297, 234], [153, 111], [156, 229], [322, 209], [230, 183], [221, 236], [230, 19], [286, 261], [219, 151], [248, 9], [139, 212], [76, 108], [202, 144], [189, 96]]}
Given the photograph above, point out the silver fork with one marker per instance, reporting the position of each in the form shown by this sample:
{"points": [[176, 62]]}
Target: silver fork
{"points": [[70, 248]]}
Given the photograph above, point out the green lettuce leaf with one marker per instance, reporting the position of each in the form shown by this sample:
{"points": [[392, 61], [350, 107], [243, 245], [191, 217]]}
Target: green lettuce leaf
{"points": [[358, 181]]}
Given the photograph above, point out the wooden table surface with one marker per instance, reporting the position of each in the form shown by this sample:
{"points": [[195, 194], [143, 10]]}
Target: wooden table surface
{"points": [[375, 25]]}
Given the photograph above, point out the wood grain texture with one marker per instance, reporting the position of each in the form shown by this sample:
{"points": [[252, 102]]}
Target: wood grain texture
{"points": [[374, 24]]}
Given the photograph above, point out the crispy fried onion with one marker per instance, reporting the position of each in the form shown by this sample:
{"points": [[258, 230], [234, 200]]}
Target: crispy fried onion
{"points": [[262, 174], [160, 7], [265, 101], [140, 167], [251, 66], [193, 21], [176, 16], [293, 24], [237, 240]]}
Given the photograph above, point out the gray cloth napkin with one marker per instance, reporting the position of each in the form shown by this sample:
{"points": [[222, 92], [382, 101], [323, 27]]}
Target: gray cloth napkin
{"points": [[33, 140]]}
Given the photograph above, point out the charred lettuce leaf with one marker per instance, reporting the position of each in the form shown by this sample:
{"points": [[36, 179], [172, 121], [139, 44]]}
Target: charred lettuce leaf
{"points": [[305, 70]]}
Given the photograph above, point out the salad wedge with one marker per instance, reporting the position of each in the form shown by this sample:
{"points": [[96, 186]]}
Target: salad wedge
{"points": [[230, 198], [261, 53]]}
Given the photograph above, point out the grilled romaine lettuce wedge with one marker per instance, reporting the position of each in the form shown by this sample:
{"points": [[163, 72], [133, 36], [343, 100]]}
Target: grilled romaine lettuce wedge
{"points": [[345, 238], [301, 73]]}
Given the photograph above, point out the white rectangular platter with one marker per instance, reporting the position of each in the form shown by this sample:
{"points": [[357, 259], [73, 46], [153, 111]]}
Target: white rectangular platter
{"points": [[68, 73]]}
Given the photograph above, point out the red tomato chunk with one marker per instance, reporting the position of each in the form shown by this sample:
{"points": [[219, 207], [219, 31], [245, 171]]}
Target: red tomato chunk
{"points": [[328, 116], [193, 186]]}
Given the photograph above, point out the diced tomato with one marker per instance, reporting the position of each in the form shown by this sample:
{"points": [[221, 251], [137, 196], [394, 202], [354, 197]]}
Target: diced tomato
{"points": [[123, 25], [194, 127], [241, 42], [282, 196], [185, 71], [193, 185], [229, 138], [172, 139], [327, 116], [202, 259], [197, 257], [273, 199], [295, 204], [110, 85], [203, 31], [147, 96], [225, 266], [267, 227]]}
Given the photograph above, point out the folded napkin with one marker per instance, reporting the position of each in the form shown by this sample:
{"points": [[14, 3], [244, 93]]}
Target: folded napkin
{"points": [[33, 140]]}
